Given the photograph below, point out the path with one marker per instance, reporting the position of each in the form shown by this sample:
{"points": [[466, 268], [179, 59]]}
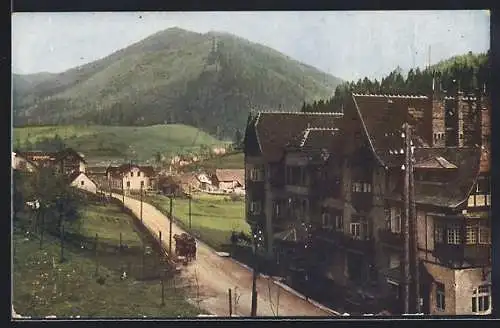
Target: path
{"points": [[217, 274]]}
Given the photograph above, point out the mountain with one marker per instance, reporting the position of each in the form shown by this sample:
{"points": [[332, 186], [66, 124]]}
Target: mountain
{"points": [[210, 81]]}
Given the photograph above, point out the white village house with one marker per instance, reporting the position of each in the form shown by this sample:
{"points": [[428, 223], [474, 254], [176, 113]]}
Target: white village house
{"points": [[21, 163], [131, 177], [80, 180]]}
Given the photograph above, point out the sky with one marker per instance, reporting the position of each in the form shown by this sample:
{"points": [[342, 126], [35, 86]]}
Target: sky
{"points": [[349, 45]]}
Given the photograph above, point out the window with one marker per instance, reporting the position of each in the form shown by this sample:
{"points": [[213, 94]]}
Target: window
{"points": [[484, 235], [481, 299], [355, 228], [82, 182], [357, 187], [471, 235], [440, 297], [131, 174], [367, 187], [453, 234], [128, 184], [339, 222], [387, 212], [394, 261], [395, 220], [326, 221], [255, 207], [276, 209], [439, 234], [142, 184], [257, 174]]}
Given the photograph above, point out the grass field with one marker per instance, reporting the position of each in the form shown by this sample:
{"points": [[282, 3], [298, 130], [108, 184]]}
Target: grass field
{"points": [[230, 161], [43, 286], [121, 141], [213, 218]]}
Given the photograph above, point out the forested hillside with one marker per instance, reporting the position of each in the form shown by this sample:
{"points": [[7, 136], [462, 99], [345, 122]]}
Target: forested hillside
{"points": [[468, 73], [210, 81]]}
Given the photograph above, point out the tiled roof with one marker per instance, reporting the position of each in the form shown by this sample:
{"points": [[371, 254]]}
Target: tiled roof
{"points": [[275, 129], [383, 116], [315, 139], [457, 189], [35, 156], [70, 151], [94, 170], [116, 171], [435, 163], [231, 175]]}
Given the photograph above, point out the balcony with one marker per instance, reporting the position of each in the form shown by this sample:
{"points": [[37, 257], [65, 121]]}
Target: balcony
{"points": [[254, 219], [345, 241], [365, 246], [390, 238], [475, 255]]}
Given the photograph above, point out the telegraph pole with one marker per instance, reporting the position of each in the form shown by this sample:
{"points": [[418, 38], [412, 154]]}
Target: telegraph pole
{"points": [[406, 223], [414, 230], [190, 206], [254, 277], [141, 201], [170, 229], [123, 193]]}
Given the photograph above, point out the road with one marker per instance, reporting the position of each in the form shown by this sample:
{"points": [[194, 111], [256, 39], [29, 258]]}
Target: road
{"points": [[216, 274]]}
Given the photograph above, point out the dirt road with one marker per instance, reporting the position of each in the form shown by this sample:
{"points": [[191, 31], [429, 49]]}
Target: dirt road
{"points": [[216, 274]]}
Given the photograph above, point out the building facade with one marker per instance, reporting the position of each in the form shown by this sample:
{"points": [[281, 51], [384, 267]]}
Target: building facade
{"points": [[131, 177], [341, 178]]}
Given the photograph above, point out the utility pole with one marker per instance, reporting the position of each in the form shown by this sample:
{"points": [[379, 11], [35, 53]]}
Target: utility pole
{"points": [[190, 206], [141, 200], [254, 277], [170, 229], [123, 193], [406, 223], [414, 230]]}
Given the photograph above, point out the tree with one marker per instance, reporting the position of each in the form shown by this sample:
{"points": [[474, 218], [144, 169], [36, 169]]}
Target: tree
{"points": [[158, 158], [238, 139]]}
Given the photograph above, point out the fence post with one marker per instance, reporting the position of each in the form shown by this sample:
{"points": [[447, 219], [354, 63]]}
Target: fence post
{"points": [[42, 223], [230, 303], [96, 254], [162, 292], [62, 241], [143, 259]]}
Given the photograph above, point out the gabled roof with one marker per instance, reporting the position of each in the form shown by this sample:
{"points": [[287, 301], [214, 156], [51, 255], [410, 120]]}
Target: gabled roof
{"points": [[94, 170], [382, 118], [70, 152], [231, 175], [273, 130], [124, 168], [437, 162], [458, 186], [73, 176], [35, 155]]}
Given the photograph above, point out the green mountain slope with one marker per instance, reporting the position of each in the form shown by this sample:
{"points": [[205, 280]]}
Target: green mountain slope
{"points": [[119, 142], [207, 80]]}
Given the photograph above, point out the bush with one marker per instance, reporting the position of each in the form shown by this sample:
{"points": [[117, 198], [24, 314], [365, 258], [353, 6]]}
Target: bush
{"points": [[235, 197]]}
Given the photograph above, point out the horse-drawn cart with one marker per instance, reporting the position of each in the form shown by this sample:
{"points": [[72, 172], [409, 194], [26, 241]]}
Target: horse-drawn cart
{"points": [[185, 247]]}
